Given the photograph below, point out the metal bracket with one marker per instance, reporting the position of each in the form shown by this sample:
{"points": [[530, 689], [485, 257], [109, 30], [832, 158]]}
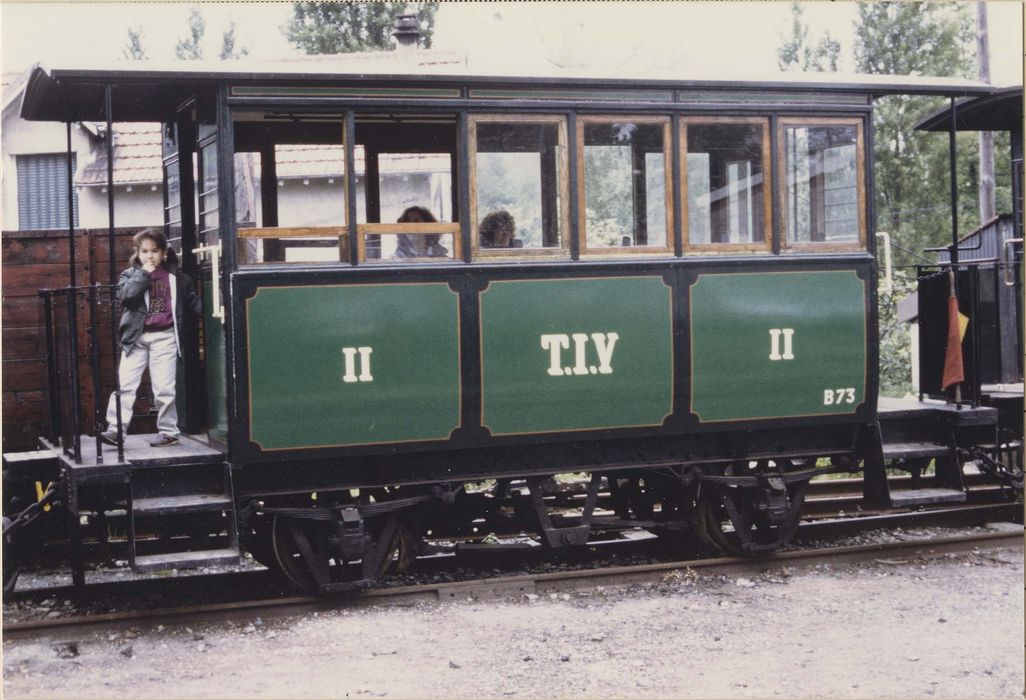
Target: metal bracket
{"points": [[553, 537]]}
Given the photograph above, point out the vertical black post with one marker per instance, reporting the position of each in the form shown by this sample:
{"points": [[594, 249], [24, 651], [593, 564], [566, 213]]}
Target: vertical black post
{"points": [[349, 136], [73, 305], [952, 153], [94, 356], [273, 248], [676, 191], [51, 369], [778, 236], [108, 109], [71, 209], [463, 193], [953, 162], [575, 205], [76, 394]]}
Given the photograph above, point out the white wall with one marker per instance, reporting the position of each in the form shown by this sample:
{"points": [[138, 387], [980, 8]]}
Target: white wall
{"points": [[140, 207], [134, 205]]}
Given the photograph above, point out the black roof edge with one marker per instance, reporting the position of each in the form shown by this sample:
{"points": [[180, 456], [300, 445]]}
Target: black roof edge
{"points": [[1000, 96]]}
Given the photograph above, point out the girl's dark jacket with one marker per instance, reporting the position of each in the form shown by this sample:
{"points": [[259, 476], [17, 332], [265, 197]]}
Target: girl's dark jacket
{"points": [[134, 295]]}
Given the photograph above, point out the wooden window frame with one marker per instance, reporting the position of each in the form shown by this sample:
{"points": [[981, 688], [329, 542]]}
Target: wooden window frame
{"points": [[563, 250], [788, 245], [582, 233], [410, 229], [766, 245]]}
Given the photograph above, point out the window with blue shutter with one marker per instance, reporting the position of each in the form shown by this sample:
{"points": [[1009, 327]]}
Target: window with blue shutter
{"points": [[43, 191]]}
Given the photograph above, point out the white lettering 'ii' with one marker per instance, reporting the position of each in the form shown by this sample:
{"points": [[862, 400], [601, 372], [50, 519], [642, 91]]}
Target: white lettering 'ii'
{"points": [[604, 344], [775, 353], [349, 355]]}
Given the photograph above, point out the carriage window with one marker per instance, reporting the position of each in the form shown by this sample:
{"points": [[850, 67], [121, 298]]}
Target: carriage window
{"points": [[726, 197], [290, 190], [520, 187], [625, 194], [822, 195]]}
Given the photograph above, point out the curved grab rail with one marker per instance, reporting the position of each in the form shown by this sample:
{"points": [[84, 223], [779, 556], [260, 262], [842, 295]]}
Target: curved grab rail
{"points": [[888, 286]]}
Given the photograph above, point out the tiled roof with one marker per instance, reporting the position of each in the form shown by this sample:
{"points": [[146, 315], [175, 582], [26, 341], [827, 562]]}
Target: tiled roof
{"points": [[295, 161], [136, 157]]}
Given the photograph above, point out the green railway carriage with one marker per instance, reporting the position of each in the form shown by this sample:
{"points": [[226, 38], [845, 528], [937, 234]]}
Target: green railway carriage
{"points": [[686, 311]]}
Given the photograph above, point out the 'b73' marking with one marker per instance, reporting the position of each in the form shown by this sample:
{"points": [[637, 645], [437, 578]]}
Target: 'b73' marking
{"points": [[838, 396], [555, 343]]}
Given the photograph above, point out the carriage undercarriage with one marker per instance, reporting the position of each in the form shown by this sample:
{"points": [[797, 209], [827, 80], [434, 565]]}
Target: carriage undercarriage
{"points": [[348, 538]]}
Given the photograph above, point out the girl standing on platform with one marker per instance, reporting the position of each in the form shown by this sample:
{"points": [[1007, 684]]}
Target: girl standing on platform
{"points": [[153, 296]]}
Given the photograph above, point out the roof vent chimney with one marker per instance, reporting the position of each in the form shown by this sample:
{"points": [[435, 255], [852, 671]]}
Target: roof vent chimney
{"points": [[406, 30]]}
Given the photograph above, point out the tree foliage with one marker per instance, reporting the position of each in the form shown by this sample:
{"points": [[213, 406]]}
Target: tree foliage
{"points": [[229, 51], [797, 53], [191, 47], [912, 167], [345, 27], [133, 50]]}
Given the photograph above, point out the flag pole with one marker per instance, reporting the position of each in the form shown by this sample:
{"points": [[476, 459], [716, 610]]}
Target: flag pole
{"points": [[954, 295]]}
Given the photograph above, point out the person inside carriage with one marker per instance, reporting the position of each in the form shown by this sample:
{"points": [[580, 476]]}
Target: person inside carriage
{"points": [[419, 246]]}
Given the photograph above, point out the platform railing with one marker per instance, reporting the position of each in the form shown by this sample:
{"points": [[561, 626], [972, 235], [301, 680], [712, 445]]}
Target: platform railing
{"points": [[64, 309]]}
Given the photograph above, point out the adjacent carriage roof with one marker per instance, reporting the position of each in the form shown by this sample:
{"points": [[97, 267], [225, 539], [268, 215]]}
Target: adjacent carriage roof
{"points": [[149, 92], [999, 111]]}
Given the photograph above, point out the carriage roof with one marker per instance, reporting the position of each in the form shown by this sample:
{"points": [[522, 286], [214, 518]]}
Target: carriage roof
{"points": [[149, 91]]}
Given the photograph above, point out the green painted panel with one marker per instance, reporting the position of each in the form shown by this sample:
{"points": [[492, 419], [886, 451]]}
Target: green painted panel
{"points": [[299, 91], [573, 94], [214, 362], [777, 344], [600, 358], [353, 364]]}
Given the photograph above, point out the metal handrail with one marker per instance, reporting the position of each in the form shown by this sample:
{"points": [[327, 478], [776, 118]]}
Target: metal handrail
{"points": [[67, 429]]}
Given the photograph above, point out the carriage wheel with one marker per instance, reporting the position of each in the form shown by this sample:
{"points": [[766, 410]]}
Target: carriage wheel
{"points": [[302, 554], [734, 519]]}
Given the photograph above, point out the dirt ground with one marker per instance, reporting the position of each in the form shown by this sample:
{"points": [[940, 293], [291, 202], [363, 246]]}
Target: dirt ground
{"points": [[947, 628]]}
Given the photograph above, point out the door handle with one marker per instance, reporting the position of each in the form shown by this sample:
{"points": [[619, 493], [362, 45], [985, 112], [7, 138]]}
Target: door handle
{"points": [[215, 276]]}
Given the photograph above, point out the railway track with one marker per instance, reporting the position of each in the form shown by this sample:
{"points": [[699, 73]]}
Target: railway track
{"points": [[273, 600]]}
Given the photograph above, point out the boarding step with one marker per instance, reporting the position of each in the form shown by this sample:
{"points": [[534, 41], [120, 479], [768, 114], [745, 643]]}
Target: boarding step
{"points": [[922, 497], [914, 450], [188, 499], [185, 560], [191, 503]]}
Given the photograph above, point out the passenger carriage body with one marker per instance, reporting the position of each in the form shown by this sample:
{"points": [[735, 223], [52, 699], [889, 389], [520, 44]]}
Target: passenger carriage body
{"points": [[691, 296]]}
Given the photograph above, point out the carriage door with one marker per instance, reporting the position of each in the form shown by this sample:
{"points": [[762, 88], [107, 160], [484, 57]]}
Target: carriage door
{"points": [[209, 261]]}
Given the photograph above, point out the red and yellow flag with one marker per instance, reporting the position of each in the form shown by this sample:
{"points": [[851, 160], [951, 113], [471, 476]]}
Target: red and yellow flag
{"points": [[954, 373]]}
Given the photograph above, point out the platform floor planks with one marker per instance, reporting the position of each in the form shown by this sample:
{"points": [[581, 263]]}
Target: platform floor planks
{"points": [[191, 449]]}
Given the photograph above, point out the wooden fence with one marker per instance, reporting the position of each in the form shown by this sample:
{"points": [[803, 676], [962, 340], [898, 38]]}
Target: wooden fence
{"points": [[34, 260]]}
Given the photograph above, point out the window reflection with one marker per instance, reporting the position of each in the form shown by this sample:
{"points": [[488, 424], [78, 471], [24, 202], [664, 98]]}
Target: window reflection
{"points": [[625, 193], [725, 187], [822, 183]]}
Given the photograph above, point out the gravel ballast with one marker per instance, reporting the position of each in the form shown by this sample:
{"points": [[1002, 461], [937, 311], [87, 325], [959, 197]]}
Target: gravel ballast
{"points": [[949, 627]]}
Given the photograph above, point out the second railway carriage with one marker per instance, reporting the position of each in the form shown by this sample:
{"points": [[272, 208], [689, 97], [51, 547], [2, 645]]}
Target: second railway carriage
{"points": [[686, 311]]}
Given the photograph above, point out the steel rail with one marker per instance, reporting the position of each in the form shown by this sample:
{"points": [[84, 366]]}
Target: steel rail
{"points": [[518, 584]]}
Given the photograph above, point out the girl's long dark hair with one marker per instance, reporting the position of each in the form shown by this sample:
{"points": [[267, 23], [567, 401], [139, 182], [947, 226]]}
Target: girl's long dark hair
{"points": [[157, 236]]}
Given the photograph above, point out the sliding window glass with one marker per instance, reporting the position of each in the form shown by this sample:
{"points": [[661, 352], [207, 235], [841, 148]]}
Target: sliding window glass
{"points": [[822, 200], [519, 185], [625, 190], [726, 196]]}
